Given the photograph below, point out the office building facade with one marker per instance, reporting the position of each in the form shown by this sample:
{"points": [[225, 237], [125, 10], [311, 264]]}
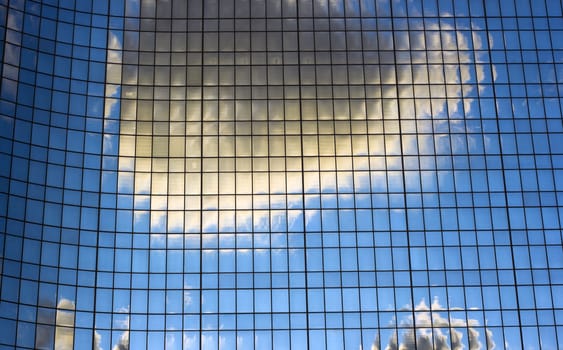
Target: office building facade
{"points": [[253, 174]]}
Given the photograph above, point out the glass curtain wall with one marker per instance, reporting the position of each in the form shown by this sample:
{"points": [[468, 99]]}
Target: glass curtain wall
{"points": [[257, 174]]}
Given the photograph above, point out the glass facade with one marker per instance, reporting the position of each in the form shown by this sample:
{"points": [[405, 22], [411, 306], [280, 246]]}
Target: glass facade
{"points": [[257, 174]]}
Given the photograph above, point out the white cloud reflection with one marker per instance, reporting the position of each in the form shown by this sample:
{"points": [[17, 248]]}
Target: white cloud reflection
{"points": [[64, 322], [62, 317], [64, 332], [189, 342], [113, 76], [176, 153], [123, 343], [430, 330]]}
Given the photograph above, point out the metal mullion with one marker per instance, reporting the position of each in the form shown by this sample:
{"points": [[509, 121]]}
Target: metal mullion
{"points": [[252, 170], [168, 196], [65, 176], [420, 172], [287, 210], [131, 248], [6, 6], [4, 227], [558, 203], [236, 157], [504, 186], [407, 229], [202, 32], [376, 341], [438, 169], [319, 175], [529, 110], [451, 156], [184, 249], [98, 228], [286, 172], [336, 171], [152, 163], [303, 198], [269, 172], [475, 230], [355, 194]]}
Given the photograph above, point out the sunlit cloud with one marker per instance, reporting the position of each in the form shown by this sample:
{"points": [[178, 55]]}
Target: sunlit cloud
{"points": [[189, 342], [208, 342], [170, 341], [308, 140], [97, 341], [123, 343], [63, 318], [64, 331], [430, 330], [113, 74]]}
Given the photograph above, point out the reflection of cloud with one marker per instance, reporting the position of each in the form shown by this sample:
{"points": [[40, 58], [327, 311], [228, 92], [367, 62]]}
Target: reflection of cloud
{"points": [[430, 331], [97, 341], [188, 300], [208, 342], [170, 341], [64, 319], [64, 331], [113, 73], [430, 78], [240, 342], [189, 342], [123, 343], [46, 317]]}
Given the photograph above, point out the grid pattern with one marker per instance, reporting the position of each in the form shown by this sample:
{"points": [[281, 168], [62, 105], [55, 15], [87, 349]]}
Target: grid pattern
{"points": [[281, 174]]}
